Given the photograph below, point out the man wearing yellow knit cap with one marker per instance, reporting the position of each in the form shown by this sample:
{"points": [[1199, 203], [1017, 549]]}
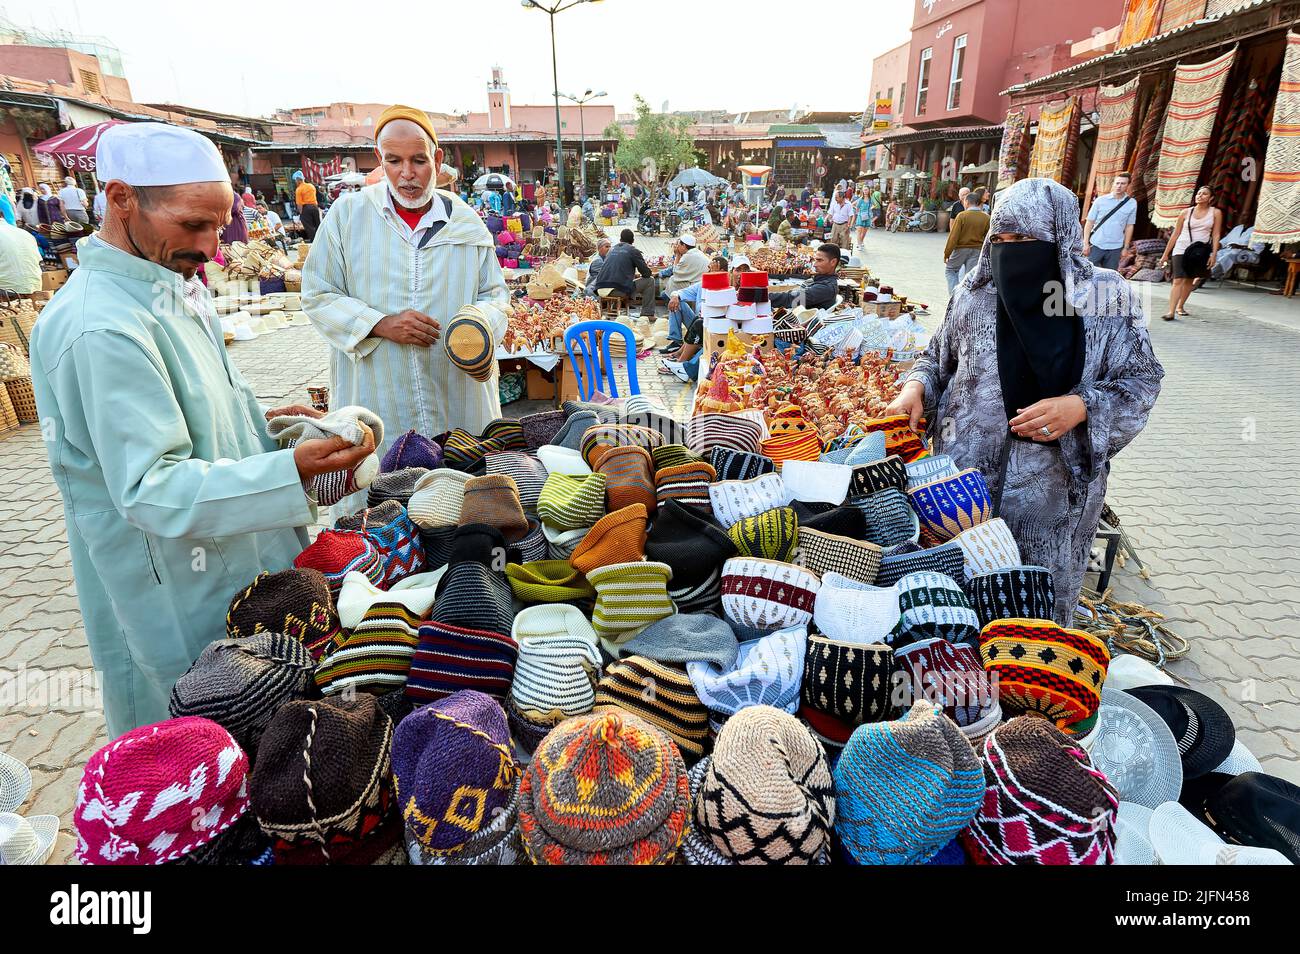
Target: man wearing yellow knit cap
{"points": [[390, 267]]}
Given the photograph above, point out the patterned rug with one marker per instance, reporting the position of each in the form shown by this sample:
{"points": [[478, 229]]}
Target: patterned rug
{"points": [[1176, 13], [1118, 108], [1277, 219], [1058, 129], [1015, 147], [1240, 152], [1188, 127], [1219, 7], [1146, 151], [1140, 18]]}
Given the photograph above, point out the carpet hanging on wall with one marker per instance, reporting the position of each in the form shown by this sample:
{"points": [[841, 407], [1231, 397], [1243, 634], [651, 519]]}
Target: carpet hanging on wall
{"points": [[1176, 13], [1146, 150], [1189, 124], [1140, 18], [1015, 149], [1118, 108], [1277, 218], [1058, 132], [1240, 153]]}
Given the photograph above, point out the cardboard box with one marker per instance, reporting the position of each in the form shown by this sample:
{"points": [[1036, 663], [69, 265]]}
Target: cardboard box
{"points": [[53, 279], [542, 385]]}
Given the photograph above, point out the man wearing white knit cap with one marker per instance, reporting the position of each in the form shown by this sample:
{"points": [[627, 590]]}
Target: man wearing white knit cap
{"points": [[174, 496]]}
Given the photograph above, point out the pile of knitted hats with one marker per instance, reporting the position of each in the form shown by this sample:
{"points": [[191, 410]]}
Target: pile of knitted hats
{"points": [[597, 636]]}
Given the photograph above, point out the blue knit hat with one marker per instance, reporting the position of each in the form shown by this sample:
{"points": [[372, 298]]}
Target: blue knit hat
{"points": [[904, 789]]}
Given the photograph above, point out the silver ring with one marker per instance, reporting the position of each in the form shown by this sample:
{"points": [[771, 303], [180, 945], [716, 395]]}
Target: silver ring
{"points": [[1045, 431]]}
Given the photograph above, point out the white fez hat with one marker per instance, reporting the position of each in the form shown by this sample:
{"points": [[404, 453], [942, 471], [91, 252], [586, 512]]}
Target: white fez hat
{"points": [[156, 154], [687, 239]]}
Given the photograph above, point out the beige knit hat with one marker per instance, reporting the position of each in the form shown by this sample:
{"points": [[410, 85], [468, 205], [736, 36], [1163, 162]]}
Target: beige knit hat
{"points": [[438, 498]]}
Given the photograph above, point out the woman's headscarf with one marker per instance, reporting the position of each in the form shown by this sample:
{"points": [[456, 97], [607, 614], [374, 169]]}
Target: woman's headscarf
{"points": [[45, 189]]}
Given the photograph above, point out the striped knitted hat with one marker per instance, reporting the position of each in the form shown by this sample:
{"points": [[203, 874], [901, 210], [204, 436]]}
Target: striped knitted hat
{"points": [[799, 442], [450, 658], [814, 481], [394, 535], [661, 694], [649, 413], [606, 788], [890, 518], [879, 475], [673, 455], [617, 537], [1045, 803], [478, 543], [559, 664], [739, 465], [494, 500], [903, 789], [988, 547], [629, 597], [411, 450], [547, 581], [948, 674], [766, 671], [322, 786], [949, 505], [336, 553], [1044, 668], [947, 559], [540, 428], [375, 656], [759, 596], [575, 427], [849, 681], [531, 547], [560, 544], [689, 542], [439, 543], [239, 683], [398, 485], [454, 770], [859, 449], [931, 606], [734, 500], [294, 602], [856, 612], [476, 597], [464, 451], [772, 535], [767, 797], [824, 553], [528, 473], [468, 343], [707, 431], [601, 438], [438, 498], [900, 439], [1018, 592], [629, 479], [571, 503], [925, 469], [687, 483]]}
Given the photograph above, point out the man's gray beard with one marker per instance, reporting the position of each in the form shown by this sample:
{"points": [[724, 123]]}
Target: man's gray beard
{"points": [[425, 197]]}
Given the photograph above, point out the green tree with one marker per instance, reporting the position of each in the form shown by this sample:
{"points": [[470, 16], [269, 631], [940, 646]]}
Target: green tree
{"points": [[663, 138]]}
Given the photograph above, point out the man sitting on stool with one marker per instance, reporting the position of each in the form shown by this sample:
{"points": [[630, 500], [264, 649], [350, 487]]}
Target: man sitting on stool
{"points": [[619, 275]]}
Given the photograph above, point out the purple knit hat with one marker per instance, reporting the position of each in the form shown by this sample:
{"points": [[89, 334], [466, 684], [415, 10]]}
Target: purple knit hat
{"points": [[455, 770], [411, 450]]}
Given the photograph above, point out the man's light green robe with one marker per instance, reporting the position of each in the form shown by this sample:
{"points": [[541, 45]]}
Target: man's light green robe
{"points": [[174, 496]]}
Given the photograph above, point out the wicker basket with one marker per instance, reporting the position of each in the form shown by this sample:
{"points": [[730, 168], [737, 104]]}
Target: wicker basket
{"points": [[23, 399], [8, 417], [10, 331]]}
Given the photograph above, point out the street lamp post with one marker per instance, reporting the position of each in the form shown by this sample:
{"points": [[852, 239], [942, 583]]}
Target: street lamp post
{"points": [[551, 11], [582, 101]]}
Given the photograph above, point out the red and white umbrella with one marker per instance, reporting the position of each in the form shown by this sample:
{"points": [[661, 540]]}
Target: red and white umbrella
{"points": [[75, 149]]}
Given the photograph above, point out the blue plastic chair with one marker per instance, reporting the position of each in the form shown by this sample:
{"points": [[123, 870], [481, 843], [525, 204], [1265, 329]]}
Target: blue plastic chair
{"points": [[592, 373]]}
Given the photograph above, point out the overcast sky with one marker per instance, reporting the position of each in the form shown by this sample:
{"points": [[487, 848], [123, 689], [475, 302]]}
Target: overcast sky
{"points": [[251, 56]]}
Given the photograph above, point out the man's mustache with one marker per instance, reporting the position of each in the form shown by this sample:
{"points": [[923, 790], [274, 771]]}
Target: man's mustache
{"points": [[198, 258]]}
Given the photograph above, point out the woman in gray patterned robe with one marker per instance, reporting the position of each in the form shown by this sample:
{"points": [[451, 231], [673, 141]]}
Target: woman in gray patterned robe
{"points": [[1060, 448]]}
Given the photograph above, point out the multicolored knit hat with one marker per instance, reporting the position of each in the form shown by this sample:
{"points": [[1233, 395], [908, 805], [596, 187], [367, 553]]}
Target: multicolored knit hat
{"points": [[766, 797], [463, 451], [737, 465], [661, 694], [398, 485], [474, 596], [686, 483], [559, 664], [926, 469], [878, 476], [824, 553], [547, 581], [375, 656], [856, 612], [323, 782], [468, 343], [137, 801], [734, 500], [617, 537], [949, 675], [602, 438], [239, 683], [792, 438], [903, 789], [1044, 668], [760, 596], [394, 535], [494, 500], [1044, 802], [856, 449], [540, 428], [931, 606], [707, 431], [528, 473], [848, 681], [988, 547], [1020, 592], [890, 519], [571, 503], [451, 658], [495, 843], [900, 439], [606, 788], [453, 770], [949, 505], [766, 671], [685, 638], [336, 553], [772, 535], [673, 455], [816, 481], [411, 450], [629, 597], [438, 499], [629, 477], [947, 559], [294, 602]]}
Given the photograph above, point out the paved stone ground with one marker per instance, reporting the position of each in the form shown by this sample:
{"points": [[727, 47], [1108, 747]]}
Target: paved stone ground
{"points": [[1207, 494]]}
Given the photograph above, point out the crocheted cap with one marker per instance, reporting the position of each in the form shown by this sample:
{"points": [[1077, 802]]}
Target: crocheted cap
{"points": [[689, 542], [660, 694], [494, 500], [411, 449], [606, 788], [766, 671], [1045, 668], [295, 602], [1019, 592], [617, 537], [336, 553], [685, 638]]}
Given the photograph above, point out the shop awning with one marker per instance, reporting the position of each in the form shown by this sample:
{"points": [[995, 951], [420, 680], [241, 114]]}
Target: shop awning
{"points": [[75, 149], [938, 133]]}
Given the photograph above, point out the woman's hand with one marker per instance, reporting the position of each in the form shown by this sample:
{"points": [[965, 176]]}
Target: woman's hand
{"points": [[1048, 419], [910, 401]]}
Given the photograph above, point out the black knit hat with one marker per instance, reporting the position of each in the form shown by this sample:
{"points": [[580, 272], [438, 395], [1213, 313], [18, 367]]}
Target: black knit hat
{"points": [[1202, 729], [474, 596], [688, 541], [867, 479], [842, 521], [478, 543], [738, 465], [399, 485], [1258, 810], [243, 843], [295, 602]]}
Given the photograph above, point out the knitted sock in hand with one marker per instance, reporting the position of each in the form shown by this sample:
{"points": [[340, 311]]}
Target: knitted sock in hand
{"points": [[353, 424]]}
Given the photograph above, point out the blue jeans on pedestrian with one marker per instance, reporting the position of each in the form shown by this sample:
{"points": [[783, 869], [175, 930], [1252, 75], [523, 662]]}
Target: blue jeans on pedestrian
{"points": [[679, 319]]}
